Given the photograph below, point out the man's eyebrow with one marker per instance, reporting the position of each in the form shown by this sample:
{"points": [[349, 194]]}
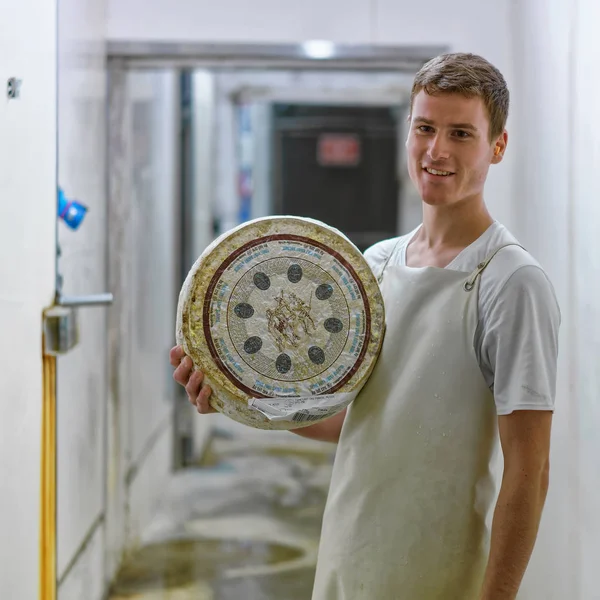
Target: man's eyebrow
{"points": [[463, 126], [424, 120], [469, 126]]}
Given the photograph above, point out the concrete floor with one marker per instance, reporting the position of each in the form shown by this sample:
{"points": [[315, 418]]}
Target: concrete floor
{"points": [[243, 525]]}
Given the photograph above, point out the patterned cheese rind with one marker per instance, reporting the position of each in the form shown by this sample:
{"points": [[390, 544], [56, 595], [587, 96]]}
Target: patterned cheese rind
{"points": [[280, 306]]}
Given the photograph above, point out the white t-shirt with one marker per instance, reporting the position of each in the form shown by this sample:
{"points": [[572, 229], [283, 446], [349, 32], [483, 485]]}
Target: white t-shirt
{"points": [[516, 342]]}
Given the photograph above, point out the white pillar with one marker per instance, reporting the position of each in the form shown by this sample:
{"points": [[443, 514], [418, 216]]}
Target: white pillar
{"points": [[28, 39]]}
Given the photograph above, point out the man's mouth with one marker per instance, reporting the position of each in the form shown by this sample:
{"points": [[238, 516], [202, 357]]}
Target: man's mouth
{"points": [[437, 172]]}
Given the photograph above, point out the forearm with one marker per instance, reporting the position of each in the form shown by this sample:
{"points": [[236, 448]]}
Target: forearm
{"points": [[326, 431], [514, 531]]}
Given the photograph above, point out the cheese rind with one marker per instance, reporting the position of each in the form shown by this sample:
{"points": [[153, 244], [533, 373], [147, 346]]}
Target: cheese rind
{"points": [[281, 307]]}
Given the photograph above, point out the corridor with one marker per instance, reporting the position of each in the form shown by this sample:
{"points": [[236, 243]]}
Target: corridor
{"points": [[136, 132]]}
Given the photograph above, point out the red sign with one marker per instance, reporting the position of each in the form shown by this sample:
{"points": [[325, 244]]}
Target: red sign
{"points": [[338, 150]]}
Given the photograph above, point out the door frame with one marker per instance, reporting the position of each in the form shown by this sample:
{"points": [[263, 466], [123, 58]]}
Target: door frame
{"points": [[367, 57]]}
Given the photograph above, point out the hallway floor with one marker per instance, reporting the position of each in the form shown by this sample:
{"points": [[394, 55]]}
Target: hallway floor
{"points": [[243, 525]]}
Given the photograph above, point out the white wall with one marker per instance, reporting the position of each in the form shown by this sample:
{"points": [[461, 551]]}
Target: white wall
{"points": [[27, 245], [203, 140], [81, 376], [346, 21], [143, 275], [341, 21], [586, 265], [556, 145], [541, 146], [154, 222]]}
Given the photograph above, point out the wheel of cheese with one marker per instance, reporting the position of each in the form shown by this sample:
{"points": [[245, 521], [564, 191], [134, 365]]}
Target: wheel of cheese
{"points": [[285, 319]]}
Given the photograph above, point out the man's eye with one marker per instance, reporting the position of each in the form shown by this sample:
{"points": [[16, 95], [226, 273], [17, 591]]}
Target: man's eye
{"points": [[425, 128], [462, 134]]}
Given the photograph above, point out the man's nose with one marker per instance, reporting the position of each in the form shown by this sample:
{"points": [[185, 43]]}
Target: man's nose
{"points": [[438, 148]]}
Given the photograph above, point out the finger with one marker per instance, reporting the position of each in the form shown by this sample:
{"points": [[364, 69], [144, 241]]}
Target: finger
{"points": [[182, 373], [176, 355], [202, 403], [193, 386]]}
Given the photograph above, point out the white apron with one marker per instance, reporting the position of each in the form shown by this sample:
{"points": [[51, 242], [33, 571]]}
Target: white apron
{"points": [[415, 478]]}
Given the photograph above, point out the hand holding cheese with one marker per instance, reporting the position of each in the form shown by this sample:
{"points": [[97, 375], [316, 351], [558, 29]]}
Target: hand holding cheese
{"points": [[193, 381]]}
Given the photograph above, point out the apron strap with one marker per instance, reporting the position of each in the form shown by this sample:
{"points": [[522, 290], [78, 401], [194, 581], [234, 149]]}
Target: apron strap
{"points": [[470, 283], [387, 260]]}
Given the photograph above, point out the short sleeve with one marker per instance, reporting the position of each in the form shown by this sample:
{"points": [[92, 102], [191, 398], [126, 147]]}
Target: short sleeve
{"points": [[520, 342], [378, 253]]}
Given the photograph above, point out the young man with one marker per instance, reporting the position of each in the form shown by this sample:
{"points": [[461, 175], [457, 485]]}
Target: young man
{"points": [[468, 364]]}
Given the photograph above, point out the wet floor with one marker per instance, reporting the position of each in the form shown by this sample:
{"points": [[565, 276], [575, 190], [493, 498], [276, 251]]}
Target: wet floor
{"points": [[242, 525]]}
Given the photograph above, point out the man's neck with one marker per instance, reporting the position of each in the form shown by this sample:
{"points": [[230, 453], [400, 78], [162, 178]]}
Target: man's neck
{"points": [[454, 226], [446, 231]]}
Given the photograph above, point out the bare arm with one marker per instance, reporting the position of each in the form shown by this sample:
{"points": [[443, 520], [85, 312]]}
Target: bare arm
{"points": [[325, 431], [525, 439]]}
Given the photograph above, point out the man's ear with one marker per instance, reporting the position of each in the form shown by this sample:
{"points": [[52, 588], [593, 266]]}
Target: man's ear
{"points": [[500, 148]]}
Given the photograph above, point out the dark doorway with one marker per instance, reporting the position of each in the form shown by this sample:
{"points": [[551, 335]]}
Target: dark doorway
{"points": [[338, 164]]}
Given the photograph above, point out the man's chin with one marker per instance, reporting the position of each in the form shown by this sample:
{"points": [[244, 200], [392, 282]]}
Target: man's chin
{"points": [[437, 199]]}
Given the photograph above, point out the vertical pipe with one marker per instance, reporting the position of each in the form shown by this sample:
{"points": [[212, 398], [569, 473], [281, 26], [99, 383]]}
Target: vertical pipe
{"points": [[48, 516], [48, 481], [57, 277]]}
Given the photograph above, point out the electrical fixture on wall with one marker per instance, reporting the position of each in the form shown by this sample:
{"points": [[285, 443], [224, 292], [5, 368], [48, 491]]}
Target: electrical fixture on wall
{"points": [[61, 321], [70, 212]]}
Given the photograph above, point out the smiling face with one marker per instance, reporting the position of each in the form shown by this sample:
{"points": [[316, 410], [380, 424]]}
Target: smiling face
{"points": [[449, 148]]}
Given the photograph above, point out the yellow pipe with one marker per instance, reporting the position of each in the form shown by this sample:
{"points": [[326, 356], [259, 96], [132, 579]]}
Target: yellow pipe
{"points": [[48, 482]]}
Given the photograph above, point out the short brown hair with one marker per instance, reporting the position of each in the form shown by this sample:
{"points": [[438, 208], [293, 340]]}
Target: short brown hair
{"points": [[469, 75]]}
